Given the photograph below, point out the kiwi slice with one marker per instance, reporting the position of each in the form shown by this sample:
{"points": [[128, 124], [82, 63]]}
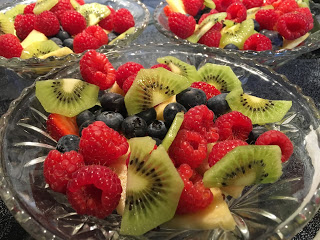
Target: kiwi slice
{"points": [[173, 130], [93, 12], [181, 68], [123, 35], [75, 4], [237, 34], [6, 25], [220, 76], [245, 166], [43, 5], [209, 4], [151, 87], [259, 110], [16, 10], [153, 188], [57, 53], [206, 25], [37, 49], [67, 96]]}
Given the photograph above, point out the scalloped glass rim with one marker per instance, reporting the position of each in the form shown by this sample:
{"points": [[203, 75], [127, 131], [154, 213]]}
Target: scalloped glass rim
{"points": [[287, 229], [269, 57], [53, 61]]}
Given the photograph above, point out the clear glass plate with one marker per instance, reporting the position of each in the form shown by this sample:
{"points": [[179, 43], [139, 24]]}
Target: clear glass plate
{"points": [[272, 211], [271, 58]]}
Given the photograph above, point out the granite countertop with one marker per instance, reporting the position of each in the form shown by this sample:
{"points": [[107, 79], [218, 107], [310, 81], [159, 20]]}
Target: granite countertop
{"points": [[304, 71]]}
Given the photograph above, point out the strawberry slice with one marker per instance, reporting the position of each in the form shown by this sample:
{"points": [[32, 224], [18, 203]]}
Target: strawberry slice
{"points": [[59, 125]]}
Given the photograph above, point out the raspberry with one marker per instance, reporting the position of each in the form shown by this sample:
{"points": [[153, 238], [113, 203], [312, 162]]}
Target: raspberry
{"points": [[200, 119], [220, 149], [274, 137], [252, 3], [47, 23], [98, 33], [257, 42], [61, 7], [126, 70], [29, 8], [101, 145], [233, 125], [167, 10], [188, 147], [181, 25], [94, 190], [73, 22], [24, 24], [194, 196], [222, 5], [107, 23], [267, 18], [285, 6], [192, 7], [203, 16], [128, 82], [308, 15], [10, 46], [96, 69], [59, 167], [161, 65], [209, 89], [81, 2], [122, 20], [211, 38], [236, 12], [292, 25]]}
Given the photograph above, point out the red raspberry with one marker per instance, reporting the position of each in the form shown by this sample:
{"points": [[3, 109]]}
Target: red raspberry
{"points": [[181, 25], [209, 89], [220, 149], [101, 145], [211, 38], [252, 3], [308, 15], [257, 42], [274, 137], [194, 196], [267, 18], [107, 22], [94, 190], [61, 7], [236, 12], [161, 65], [96, 69], [47, 23], [122, 20], [167, 10], [192, 7], [24, 24], [81, 2], [292, 25], [203, 16], [285, 6], [10, 46], [59, 167], [222, 5], [29, 8], [188, 147], [73, 22], [233, 125], [126, 70], [98, 33], [200, 119], [128, 83]]}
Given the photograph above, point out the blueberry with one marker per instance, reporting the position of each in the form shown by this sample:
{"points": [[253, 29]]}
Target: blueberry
{"points": [[56, 40], [157, 129], [68, 43], [68, 143], [256, 25], [231, 46], [218, 104], [191, 97], [134, 126], [84, 116], [255, 133], [111, 119], [170, 111], [274, 36], [148, 115], [95, 109], [85, 124], [113, 102], [62, 35]]}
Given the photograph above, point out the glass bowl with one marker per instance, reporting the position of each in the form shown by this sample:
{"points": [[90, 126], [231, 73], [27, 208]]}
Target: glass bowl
{"points": [[271, 57], [272, 211], [35, 66]]}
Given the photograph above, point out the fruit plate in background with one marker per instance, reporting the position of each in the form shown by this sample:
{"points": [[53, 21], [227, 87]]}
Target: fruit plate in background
{"points": [[274, 211], [35, 66], [269, 57]]}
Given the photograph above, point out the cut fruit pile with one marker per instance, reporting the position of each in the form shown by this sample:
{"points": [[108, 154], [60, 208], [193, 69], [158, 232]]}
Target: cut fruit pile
{"points": [[166, 152], [60, 27], [256, 25]]}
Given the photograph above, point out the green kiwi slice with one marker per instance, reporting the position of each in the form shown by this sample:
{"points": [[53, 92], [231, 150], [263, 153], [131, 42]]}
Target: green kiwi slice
{"points": [[181, 68], [6, 25], [153, 188], [259, 110], [237, 34], [220, 76], [37, 49], [123, 35], [75, 4], [93, 12], [173, 130], [43, 5], [152, 87], [67, 96], [209, 4], [16, 10], [245, 166], [206, 25]]}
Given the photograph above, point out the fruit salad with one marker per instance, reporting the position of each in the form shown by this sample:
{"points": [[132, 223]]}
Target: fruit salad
{"points": [[255, 25], [162, 146], [59, 27]]}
